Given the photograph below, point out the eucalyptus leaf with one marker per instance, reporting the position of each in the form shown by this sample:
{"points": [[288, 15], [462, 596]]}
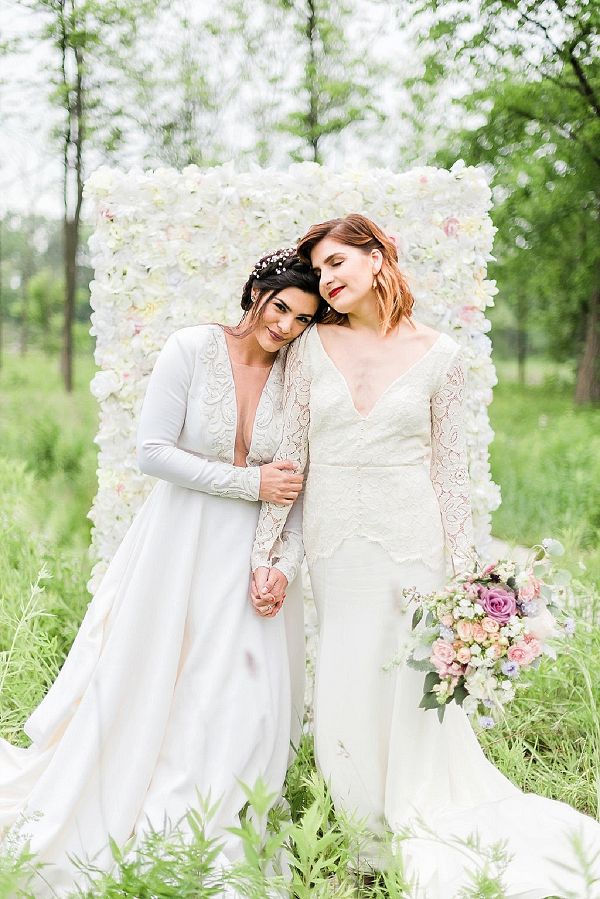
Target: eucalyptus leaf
{"points": [[441, 712], [429, 701], [562, 577], [431, 680], [460, 694], [417, 615], [554, 548], [420, 665]]}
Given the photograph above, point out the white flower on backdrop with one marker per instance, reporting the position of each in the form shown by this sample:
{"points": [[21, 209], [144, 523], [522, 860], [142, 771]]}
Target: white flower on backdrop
{"points": [[173, 248]]}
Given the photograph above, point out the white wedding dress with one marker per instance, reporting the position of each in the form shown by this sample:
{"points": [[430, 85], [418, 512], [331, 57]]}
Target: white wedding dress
{"points": [[386, 506], [174, 687]]}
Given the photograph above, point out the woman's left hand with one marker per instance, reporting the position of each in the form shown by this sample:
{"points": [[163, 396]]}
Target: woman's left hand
{"points": [[267, 591]]}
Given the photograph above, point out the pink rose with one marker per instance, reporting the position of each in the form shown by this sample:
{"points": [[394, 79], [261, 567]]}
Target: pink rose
{"points": [[530, 590], [478, 632], [464, 629], [456, 669], [489, 625], [442, 653], [463, 655], [498, 603], [520, 654], [447, 620], [534, 644]]}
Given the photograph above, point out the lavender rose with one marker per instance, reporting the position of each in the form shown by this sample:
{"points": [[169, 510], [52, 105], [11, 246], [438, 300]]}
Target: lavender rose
{"points": [[498, 603]]}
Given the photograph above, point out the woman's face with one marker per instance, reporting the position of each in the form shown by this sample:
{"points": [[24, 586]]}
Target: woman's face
{"points": [[285, 316], [345, 273]]}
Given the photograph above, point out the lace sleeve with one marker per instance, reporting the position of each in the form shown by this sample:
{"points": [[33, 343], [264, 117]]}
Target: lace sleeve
{"points": [[162, 417], [294, 446], [449, 471], [288, 550]]}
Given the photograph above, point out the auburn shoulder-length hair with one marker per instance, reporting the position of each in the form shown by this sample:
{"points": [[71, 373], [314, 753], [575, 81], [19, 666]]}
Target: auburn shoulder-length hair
{"points": [[394, 299]]}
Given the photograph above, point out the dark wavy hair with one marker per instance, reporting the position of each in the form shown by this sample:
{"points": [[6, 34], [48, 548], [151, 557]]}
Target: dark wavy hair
{"points": [[271, 274]]}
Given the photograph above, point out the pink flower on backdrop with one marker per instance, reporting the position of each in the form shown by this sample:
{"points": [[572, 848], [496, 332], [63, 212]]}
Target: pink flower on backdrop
{"points": [[498, 603], [442, 653], [463, 655], [451, 226], [464, 629], [467, 314], [489, 569], [447, 620]]}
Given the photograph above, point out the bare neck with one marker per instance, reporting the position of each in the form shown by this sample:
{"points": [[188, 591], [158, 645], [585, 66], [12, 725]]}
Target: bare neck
{"points": [[246, 350]]}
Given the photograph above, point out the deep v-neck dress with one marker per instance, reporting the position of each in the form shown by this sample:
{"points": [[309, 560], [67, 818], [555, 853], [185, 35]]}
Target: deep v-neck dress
{"points": [[386, 506], [174, 687]]}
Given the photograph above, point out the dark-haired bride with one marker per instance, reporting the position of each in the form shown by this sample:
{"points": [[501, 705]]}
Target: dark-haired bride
{"points": [[174, 688], [375, 399]]}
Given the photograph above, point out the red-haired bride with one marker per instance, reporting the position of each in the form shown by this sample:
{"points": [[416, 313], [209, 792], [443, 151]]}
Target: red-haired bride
{"points": [[375, 400]]}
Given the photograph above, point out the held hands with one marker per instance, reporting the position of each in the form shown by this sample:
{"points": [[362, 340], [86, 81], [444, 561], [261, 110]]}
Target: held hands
{"points": [[279, 482], [267, 591]]}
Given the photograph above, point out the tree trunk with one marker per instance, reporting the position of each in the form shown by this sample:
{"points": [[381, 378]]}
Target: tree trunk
{"points": [[1, 299], [521, 338], [587, 388], [26, 273], [312, 82], [70, 255], [73, 189]]}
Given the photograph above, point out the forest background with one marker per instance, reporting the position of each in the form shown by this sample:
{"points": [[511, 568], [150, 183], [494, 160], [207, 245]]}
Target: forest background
{"points": [[509, 85]]}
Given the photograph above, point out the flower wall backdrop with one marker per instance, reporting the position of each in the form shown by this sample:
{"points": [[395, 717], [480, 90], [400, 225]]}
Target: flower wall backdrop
{"points": [[174, 248]]}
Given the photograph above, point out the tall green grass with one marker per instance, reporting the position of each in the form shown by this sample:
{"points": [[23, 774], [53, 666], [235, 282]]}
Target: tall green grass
{"points": [[546, 457]]}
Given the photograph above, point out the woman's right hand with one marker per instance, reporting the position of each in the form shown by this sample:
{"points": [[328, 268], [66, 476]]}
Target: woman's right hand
{"points": [[279, 482]]}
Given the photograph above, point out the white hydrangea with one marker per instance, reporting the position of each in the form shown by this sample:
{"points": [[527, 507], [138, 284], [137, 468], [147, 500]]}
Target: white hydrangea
{"points": [[172, 249]]}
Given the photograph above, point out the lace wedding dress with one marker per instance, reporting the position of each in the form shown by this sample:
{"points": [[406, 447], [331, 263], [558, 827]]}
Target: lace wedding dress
{"points": [[174, 688], [386, 505]]}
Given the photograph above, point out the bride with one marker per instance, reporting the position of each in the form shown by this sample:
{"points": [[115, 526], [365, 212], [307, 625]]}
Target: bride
{"points": [[174, 688], [375, 399]]}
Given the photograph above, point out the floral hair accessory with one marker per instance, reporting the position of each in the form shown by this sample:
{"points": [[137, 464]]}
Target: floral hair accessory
{"points": [[277, 259]]}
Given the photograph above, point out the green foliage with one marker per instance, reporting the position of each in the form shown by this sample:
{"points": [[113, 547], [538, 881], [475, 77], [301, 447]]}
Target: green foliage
{"points": [[546, 457], [529, 110], [337, 84]]}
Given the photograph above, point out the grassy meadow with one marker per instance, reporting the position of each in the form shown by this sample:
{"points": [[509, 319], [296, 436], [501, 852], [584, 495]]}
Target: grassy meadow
{"points": [[546, 456]]}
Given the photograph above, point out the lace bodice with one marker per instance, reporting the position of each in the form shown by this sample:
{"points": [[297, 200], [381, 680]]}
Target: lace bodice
{"points": [[187, 427], [397, 476]]}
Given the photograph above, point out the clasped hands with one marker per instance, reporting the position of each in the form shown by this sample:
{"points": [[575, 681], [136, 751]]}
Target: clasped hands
{"points": [[267, 591]]}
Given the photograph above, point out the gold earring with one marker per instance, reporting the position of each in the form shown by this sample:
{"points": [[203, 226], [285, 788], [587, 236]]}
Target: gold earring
{"points": [[375, 284]]}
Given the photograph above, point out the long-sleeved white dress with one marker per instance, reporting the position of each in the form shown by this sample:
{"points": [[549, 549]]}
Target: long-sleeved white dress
{"points": [[174, 687], [386, 506]]}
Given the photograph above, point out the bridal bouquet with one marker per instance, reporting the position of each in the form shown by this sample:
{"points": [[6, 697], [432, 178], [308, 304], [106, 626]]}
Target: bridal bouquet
{"points": [[479, 634]]}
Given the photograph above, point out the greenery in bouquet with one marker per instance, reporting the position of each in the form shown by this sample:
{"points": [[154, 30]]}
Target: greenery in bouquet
{"points": [[478, 636]]}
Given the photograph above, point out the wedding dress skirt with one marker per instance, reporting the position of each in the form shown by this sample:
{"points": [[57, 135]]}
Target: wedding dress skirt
{"points": [[395, 765], [174, 689]]}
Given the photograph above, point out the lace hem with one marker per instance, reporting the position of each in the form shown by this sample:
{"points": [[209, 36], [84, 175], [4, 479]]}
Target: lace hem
{"points": [[429, 558]]}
